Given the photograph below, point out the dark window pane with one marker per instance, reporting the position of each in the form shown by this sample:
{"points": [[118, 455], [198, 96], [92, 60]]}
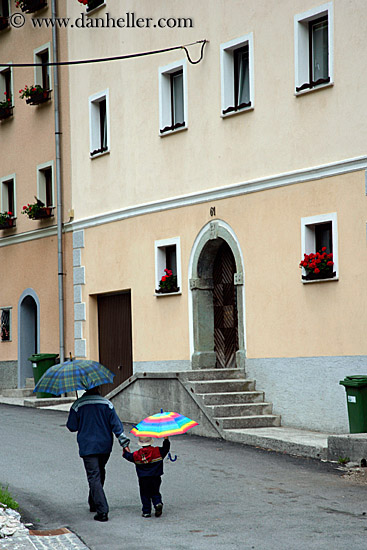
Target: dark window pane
{"points": [[177, 98], [241, 76], [5, 325], [103, 124], [324, 237], [45, 70], [171, 262], [320, 49]]}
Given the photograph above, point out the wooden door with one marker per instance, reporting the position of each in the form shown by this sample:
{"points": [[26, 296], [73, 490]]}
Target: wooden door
{"points": [[115, 337], [225, 308]]}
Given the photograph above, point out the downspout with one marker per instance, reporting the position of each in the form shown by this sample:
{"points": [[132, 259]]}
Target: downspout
{"points": [[58, 184]]}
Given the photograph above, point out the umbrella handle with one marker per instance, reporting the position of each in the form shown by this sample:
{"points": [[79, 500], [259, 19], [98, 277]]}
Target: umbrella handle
{"points": [[172, 459]]}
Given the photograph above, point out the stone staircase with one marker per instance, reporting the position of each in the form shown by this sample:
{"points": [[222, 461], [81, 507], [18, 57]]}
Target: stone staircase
{"points": [[20, 392], [231, 399]]}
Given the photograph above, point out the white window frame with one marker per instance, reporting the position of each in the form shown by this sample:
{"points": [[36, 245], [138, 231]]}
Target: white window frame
{"points": [[38, 69], [41, 186], [308, 240], [160, 262], [94, 122], [9, 308], [4, 68], [4, 194], [301, 46], [165, 113], [227, 73]]}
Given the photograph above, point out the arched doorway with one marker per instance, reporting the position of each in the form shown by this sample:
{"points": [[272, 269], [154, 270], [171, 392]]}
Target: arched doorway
{"points": [[28, 334], [217, 299], [225, 308]]}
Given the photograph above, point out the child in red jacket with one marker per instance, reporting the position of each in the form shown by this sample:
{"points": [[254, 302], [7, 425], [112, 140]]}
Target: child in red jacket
{"points": [[148, 462]]}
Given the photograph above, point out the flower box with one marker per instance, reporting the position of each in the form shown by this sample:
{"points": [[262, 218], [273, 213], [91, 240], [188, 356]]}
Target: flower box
{"points": [[6, 112], [92, 4], [39, 97], [318, 276], [8, 223], [168, 284], [30, 6], [43, 212], [4, 22]]}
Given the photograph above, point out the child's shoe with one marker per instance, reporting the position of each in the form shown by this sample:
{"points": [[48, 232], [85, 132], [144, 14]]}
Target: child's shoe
{"points": [[158, 510], [146, 515]]}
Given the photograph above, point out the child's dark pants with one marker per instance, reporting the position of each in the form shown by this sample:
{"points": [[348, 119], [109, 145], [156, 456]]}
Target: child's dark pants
{"points": [[149, 491]]}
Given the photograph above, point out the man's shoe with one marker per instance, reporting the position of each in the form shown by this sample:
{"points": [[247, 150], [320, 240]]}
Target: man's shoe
{"points": [[158, 510], [101, 517], [147, 515]]}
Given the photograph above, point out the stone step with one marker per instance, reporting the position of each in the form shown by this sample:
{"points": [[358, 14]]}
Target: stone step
{"points": [[47, 401], [248, 409], [17, 392], [215, 374], [29, 383], [220, 386], [260, 421], [232, 398]]}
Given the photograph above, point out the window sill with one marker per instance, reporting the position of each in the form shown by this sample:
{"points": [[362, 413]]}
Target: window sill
{"points": [[160, 294], [170, 132], [314, 89], [238, 112], [103, 5], [97, 155], [303, 281]]}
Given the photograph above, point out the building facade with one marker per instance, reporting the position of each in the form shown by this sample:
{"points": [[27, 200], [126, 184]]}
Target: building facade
{"points": [[223, 163], [30, 201]]}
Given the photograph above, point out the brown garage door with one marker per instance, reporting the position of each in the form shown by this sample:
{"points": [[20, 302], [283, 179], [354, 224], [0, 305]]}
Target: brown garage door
{"points": [[115, 337]]}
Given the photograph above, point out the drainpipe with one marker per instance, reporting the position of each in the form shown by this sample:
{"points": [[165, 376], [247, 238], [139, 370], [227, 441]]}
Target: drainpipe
{"points": [[58, 185]]}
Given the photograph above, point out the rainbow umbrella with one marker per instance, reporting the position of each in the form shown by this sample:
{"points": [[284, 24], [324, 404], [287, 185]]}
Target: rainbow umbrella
{"points": [[163, 424]]}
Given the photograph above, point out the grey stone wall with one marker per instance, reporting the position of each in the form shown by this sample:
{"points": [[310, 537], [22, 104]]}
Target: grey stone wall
{"points": [[148, 394], [305, 391], [8, 375]]}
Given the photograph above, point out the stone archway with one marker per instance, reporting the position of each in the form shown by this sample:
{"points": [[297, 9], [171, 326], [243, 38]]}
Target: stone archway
{"points": [[203, 256], [28, 334]]}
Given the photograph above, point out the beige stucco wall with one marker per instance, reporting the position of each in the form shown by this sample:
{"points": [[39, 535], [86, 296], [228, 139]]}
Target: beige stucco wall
{"points": [[283, 132], [283, 317], [28, 140]]}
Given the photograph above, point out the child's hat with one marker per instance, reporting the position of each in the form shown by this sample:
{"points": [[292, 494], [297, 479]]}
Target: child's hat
{"points": [[145, 441]]}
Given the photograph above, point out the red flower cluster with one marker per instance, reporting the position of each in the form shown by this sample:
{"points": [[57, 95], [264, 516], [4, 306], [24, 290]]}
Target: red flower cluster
{"points": [[30, 90], [6, 103], [167, 271], [316, 263], [85, 2]]}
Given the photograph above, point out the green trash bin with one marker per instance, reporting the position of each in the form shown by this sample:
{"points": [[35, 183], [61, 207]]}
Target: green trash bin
{"points": [[41, 362], [356, 390]]}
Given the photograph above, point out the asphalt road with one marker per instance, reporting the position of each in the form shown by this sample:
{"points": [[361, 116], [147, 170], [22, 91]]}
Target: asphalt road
{"points": [[216, 495]]}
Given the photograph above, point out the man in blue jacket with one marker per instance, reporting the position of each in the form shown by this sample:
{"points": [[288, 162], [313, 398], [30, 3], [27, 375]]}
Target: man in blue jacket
{"points": [[95, 420]]}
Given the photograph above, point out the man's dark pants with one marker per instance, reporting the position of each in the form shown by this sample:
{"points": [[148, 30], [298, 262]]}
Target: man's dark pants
{"points": [[149, 491], [96, 474]]}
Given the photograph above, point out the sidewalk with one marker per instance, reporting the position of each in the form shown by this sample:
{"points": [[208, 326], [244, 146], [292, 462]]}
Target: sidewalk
{"points": [[287, 440], [58, 539]]}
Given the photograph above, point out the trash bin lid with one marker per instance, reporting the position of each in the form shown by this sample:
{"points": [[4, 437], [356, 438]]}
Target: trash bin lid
{"points": [[356, 380], [36, 357]]}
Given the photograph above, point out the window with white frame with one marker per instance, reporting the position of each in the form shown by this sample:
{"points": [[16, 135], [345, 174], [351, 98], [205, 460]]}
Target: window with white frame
{"points": [[5, 324], [314, 50], [45, 183], [99, 123], [8, 195], [237, 75], [319, 238], [42, 72], [168, 266], [173, 97], [6, 85]]}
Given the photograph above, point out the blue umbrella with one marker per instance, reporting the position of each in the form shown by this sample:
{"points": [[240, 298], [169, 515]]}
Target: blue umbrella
{"points": [[77, 374]]}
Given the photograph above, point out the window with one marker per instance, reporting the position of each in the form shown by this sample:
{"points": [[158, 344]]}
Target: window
{"points": [[42, 75], [168, 256], [99, 123], [314, 48], [237, 75], [318, 232], [172, 97], [5, 324], [45, 187], [4, 14], [6, 84], [8, 195], [92, 4]]}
